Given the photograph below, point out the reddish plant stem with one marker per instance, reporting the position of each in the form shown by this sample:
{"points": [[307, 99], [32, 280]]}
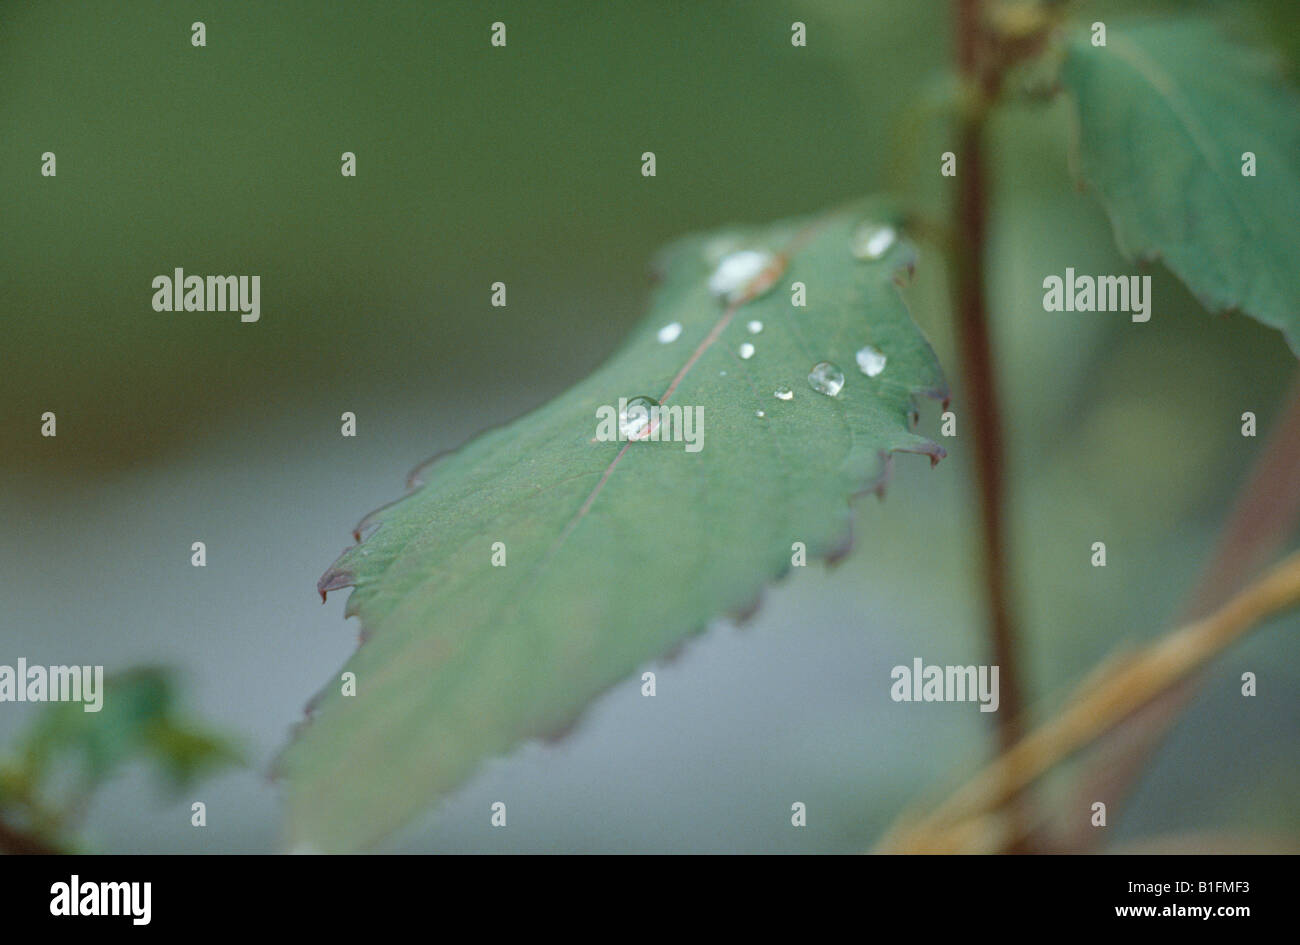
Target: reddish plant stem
{"points": [[15, 841], [979, 372]]}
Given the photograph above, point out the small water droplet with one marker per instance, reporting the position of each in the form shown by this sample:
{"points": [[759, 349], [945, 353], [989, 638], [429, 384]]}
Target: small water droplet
{"points": [[634, 420], [873, 240], [365, 551], [826, 378], [746, 351], [670, 333], [760, 414], [755, 327], [722, 374], [783, 393], [748, 273], [871, 360]]}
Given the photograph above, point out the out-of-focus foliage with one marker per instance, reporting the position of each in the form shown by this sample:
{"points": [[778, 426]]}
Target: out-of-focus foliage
{"points": [[1169, 111], [68, 753]]}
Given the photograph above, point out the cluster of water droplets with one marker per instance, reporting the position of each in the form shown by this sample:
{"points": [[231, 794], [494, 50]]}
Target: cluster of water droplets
{"points": [[741, 274]]}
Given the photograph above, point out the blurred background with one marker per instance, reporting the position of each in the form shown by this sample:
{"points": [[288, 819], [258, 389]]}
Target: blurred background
{"points": [[522, 165]]}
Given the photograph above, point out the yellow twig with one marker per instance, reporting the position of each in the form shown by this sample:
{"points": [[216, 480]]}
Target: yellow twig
{"points": [[961, 823]]}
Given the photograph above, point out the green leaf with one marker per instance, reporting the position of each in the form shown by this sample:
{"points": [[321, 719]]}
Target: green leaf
{"points": [[139, 717], [68, 753], [616, 552], [1166, 111]]}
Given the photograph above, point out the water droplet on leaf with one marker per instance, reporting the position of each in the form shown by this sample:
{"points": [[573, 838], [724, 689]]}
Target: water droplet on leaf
{"points": [[746, 351], [873, 240], [783, 393], [670, 333], [634, 420], [871, 360], [755, 327], [826, 378], [746, 274]]}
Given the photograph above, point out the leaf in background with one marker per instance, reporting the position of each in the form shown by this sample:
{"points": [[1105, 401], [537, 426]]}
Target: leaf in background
{"points": [[1166, 111], [139, 718], [69, 752], [616, 551]]}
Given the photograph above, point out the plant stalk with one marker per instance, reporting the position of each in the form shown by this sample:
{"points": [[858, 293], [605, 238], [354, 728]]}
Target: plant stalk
{"points": [[965, 822], [969, 255]]}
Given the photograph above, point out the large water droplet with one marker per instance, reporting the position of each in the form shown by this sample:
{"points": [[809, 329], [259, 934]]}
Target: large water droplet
{"points": [[783, 393], [755, 327], [634, 420], [746, 351], [826, 378], [873, 240], [871, 360], [670, 333], [747, 273]]}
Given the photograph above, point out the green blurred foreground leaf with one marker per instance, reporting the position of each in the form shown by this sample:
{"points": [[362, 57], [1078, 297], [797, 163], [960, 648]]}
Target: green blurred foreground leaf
{"points": [[1166, 112], [68, 753], [616, 551]]}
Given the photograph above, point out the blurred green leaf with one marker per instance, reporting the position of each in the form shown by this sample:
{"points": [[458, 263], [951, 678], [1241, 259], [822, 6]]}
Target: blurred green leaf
{"points": [[616, 552], [69, 752], [1166, 112]]}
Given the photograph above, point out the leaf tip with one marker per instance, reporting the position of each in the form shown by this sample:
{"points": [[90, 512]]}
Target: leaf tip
{"points": [[333, 579]]}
